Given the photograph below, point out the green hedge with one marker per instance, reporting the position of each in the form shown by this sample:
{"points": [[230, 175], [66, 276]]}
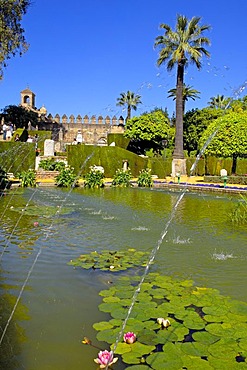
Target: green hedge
{"points": [[160, 167], [241, 180], [241, 168], [17, 156], [214, 165], [200, 167], [42, 136], [118, 139], [81, 157]]}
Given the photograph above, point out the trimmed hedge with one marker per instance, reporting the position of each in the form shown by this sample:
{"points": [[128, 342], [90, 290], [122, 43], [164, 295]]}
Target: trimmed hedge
{"points": [[200, 168], [42, 136], [17, 156], [81, 157], [241, 168], [118, 139], [240, 180]]}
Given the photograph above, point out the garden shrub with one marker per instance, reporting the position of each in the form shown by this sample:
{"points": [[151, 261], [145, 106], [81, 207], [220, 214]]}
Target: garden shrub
{"points": [[122, 178], [27, 178], [51, 165], [66, 178], [94, 178], [145, 178]]}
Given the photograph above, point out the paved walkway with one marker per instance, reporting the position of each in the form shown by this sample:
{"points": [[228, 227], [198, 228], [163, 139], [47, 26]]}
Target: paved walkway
{"points": [[192, 183]]}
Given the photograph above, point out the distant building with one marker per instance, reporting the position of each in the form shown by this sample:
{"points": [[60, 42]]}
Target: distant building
{"points": [[28, 102], [91, 130]]}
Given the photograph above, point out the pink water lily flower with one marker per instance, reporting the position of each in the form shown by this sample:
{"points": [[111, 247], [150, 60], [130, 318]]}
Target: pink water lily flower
{"points": [[129, 337], [105, 358]]}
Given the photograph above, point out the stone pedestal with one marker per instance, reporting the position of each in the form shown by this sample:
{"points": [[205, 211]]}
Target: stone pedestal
{"points": [[179, 166]]}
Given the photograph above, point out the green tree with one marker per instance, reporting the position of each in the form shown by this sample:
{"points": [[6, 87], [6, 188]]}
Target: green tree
{"points": [[19, 116], [129, 99], [230, 139], [196, 122], [188, 93], [179, 48], [149, 130], [12, 40], [219, 102]]}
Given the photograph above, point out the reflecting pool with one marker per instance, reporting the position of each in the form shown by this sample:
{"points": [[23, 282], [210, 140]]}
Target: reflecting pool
{"points": [[47, 306]]}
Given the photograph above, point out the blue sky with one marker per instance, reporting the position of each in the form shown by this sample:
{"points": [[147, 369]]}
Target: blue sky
{"points": [[84, 53]]}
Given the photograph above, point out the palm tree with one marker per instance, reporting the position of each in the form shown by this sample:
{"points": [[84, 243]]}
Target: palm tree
{"points": [[219, 102], [188, 93], [179, 48], [129, 99]]}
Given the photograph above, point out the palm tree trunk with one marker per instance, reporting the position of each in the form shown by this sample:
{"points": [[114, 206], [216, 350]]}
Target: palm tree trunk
{"points": [[178, 151], [129, 112]]}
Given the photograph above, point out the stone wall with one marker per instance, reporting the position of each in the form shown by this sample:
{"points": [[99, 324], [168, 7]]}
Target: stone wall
{"points": [[94, 129]]}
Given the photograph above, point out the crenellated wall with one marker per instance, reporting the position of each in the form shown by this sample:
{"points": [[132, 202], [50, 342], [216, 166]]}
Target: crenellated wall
{"points": [[64, 119], [94, 129]]}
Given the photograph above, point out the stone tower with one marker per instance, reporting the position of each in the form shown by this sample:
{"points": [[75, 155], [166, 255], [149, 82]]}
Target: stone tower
{"points": [[28, 99]]}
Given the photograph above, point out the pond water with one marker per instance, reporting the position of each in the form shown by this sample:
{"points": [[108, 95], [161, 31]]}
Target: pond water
{"points": [[49, 306]]}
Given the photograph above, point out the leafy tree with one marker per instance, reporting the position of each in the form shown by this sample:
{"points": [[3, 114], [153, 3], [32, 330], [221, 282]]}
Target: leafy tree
{"points": [[19, 116], [129, 99], [230, 139], [12, 40], [195, 123], [179, 48], [188, 93], [149, 130], [219, 102]]}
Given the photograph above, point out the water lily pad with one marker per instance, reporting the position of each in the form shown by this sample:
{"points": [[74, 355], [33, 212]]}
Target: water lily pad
{"points": [[108, 335], [108, 260], [166, 335], [220, 330], [147, 336], [109, 307], [193, 337], [111, 299], [196, 363], [225, 350], [103, 325], [225, 364], [194, 349], [131, 358], [138, 367], [205, 337], [163, 360], [122, 348]]}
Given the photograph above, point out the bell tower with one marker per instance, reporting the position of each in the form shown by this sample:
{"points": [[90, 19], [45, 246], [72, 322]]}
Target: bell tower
{"points": [[28, 98]]}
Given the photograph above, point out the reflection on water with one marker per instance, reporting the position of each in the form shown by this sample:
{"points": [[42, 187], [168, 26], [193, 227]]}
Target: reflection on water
{"points": [[62, 302]]}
